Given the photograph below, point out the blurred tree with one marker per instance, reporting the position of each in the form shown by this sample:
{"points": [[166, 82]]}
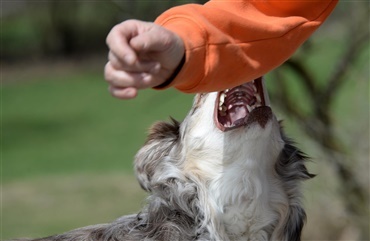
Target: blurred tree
{"points": [[56, 28], [80, 26], [65, 28], [64, 21], [315, 116]]}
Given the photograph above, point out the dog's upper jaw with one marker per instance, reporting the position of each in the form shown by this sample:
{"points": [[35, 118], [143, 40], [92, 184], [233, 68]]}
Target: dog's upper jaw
{"points": [[233, 107]]}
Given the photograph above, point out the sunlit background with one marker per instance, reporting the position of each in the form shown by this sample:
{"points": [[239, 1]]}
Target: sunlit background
{"points": [[67, 146]]}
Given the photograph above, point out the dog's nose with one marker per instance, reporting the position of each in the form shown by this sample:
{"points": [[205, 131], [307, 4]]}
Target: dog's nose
{"points": [[261, 115]]}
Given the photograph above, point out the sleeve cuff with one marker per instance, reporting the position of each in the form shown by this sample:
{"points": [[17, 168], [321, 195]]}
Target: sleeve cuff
{"points": [[168, 82]]}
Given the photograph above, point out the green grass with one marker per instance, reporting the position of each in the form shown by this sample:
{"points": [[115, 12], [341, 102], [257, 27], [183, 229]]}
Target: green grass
{"points": [[72, 124], [37, 207], [68, 148]]}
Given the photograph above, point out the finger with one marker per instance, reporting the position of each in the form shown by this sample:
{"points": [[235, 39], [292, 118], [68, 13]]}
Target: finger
{"points": [[123, 93], [137, 66], [123, 79], [155, 39], [118, 41], [118, 78]]}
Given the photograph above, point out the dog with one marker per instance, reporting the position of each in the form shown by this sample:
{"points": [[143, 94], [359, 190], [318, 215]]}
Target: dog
{"points": [[226, 173]]}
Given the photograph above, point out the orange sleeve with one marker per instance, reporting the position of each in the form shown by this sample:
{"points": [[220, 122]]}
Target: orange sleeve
{"points": [[232, 42]]}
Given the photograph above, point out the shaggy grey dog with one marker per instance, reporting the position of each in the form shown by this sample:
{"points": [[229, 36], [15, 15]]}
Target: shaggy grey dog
{"points": [[227, 172]]}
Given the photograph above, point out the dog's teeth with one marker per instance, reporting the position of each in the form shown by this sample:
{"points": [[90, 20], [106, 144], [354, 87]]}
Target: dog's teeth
{"points": [[222, 98], [227, 90], [254, 88], [249, 108], [258, 97], [222, 108]]}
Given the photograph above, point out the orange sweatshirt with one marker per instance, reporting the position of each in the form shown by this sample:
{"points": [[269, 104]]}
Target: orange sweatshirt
{"points": [[230, 42]]}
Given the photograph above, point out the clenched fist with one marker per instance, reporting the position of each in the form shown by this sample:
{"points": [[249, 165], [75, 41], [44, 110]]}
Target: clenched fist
{"points": [[142, 55]]}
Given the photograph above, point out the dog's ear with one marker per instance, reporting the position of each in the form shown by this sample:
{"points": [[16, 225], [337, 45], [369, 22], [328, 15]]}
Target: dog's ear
{"points": [[291, 169], [160, 145], [293, 227]]}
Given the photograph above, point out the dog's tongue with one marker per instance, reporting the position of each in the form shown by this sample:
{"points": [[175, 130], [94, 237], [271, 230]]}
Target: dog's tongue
{"points": [[233, 106], [237, 113], [237, 100]]}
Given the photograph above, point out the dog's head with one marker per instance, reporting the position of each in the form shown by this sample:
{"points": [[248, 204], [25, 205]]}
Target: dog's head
{"points": [[222, 128], [218, 126]]}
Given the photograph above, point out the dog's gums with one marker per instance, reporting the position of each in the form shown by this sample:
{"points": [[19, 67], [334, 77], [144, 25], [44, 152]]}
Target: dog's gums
{"points": [[233, 106]]}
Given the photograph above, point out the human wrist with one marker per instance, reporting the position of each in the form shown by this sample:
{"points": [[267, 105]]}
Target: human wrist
{"points": [[169, 80]]}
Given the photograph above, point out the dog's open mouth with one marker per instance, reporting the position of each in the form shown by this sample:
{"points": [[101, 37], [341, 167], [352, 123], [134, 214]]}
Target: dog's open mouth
{"points": [[233, 106]]}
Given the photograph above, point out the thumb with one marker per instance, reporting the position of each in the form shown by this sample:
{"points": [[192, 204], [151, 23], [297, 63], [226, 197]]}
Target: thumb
{"points": [[153, 40]]}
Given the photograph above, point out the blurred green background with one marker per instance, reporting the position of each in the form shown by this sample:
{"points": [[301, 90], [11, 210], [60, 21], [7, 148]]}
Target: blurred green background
{"points": [[67, 146]]}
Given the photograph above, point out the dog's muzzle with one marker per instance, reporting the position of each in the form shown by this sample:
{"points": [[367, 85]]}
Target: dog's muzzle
{"points": [[242, 105]]}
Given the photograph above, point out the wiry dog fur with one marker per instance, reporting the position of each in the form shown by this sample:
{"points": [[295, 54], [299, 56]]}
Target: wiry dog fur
{"points": [[205, 184]]}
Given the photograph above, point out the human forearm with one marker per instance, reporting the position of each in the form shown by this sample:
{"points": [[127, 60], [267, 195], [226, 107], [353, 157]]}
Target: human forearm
{"points": [[231, 42]]}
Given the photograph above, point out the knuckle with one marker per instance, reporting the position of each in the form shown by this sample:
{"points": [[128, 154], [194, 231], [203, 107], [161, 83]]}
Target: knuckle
{"points": [[107, 39], [129, 22], [113, 91], [115, 64], [115, 29], [109, 74], [113, 35], [110, 37]]}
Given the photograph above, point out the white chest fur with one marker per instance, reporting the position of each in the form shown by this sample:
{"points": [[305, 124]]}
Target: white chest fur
{"points": [[242, 198], [243, 187], [237, 171]]}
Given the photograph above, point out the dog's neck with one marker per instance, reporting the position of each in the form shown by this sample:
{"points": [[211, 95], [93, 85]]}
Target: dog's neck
{"points": [[237, 171]]}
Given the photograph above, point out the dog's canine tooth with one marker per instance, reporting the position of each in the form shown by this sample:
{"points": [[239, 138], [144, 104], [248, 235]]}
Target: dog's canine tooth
{"points": [[254, 88], [222, 108], [258, 98], [249, 108], [222, 99]]}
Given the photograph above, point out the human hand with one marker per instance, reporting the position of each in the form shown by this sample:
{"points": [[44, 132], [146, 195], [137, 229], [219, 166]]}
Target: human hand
{"points": [[142, 55]]}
